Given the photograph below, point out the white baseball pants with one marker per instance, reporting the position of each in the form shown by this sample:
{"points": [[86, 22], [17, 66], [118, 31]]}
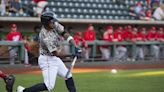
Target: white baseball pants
{"points": [[52, 66], [105, 53]]}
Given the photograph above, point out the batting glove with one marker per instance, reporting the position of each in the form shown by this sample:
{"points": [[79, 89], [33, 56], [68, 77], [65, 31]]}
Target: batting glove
{"points": [[78, 51]]}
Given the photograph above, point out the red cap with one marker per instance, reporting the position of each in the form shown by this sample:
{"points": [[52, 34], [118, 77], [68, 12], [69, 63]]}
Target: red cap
{"points": [[120, 28], [13, 26], [79, 33], [129, 26], [143, 28], [138, 4], [153, 28], [109, 27], [135, 29]]}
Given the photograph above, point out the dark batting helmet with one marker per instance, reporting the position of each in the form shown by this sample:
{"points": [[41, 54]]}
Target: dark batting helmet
{"points": [[48, 17]]}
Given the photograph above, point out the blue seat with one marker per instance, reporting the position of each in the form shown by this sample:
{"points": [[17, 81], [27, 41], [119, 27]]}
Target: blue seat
{"points": [[54, 9], [102, 11], [110, 17], [52, 3], [81, 16], [87, 16], [62, 16], [73, 10], [66, 10], [75, 16], [68, 15], [105, 17], [93, 17], [79, 10]]}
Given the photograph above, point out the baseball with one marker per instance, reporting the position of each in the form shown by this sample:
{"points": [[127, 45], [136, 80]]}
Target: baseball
{"points": [[114, 71]]}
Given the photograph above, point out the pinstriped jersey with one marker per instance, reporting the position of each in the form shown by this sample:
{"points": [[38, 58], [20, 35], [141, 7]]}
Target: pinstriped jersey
{"points": [[50, 40]]}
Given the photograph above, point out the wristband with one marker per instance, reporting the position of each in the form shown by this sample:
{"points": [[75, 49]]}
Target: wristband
{"points": [[69, 38]]}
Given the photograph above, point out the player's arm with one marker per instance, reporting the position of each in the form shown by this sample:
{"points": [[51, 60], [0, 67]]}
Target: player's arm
{"points": [[69, 38], [65, 34]]}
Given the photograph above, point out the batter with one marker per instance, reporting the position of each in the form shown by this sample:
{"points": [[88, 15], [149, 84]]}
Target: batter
{"points": [[49, 61]]}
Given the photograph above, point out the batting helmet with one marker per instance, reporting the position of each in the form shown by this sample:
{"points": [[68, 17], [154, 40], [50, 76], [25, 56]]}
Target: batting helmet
{"points": [[48, 17]]}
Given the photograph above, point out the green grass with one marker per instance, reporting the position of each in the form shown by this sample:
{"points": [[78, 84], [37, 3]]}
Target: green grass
{"points": [[102, 81]]}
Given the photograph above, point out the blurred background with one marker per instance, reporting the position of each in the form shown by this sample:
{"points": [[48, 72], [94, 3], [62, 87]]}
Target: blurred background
{"points": [[108, 31]]}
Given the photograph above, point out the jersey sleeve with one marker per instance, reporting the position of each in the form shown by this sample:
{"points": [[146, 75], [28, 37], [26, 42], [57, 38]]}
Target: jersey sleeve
{"points": [[8, 37], [59, 27], [20, 36]]}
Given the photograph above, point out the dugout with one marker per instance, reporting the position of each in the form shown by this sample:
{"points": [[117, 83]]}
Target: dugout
{"points": [[26, 26]]}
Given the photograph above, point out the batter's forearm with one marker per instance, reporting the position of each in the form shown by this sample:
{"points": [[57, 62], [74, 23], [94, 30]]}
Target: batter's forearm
{"points": [[70, 39], [73, 42], [60, 54]]}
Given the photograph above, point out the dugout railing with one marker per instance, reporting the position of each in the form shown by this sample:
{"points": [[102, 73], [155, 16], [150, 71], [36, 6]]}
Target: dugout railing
{"points": [[19, 45], [131, 46], [95, 45]]}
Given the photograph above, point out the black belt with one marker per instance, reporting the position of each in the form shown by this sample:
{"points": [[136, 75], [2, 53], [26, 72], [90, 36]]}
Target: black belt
{"points": [[46, 55]]}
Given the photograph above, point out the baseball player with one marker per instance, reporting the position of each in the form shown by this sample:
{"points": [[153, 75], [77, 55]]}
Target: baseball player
{"points": [[79, 40], [9, 80], [108, 37], [14, 36], [89, 35], [134, 38], [160, 37], [120, 50], [49, 61], [151, 36], [141, 36]]}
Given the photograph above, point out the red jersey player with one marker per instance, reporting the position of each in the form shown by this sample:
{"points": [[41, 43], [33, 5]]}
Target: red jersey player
{"points": [[89, 35], [15, 36], [108, 37], [152, 37], [79, 40], [120, 50]]}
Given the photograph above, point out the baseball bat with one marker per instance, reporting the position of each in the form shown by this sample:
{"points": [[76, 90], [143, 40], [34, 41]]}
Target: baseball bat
{"points": [[71, 67]]}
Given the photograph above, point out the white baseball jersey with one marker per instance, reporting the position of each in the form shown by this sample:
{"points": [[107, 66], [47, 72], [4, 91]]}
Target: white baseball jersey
{"points": [[50, 40], [51, 65]]}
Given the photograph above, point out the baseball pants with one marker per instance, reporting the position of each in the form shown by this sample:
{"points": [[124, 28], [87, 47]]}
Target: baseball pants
{"points": [[156, 50], [105, 53], [121, 52], [12, 54], [139, 52], [52, 66], [87, 52]]}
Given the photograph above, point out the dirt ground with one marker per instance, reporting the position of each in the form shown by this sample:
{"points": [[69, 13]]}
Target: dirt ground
{"points": [[21, 69]]}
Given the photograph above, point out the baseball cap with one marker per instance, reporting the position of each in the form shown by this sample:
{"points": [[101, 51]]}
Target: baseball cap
{"points": [[79, 33], [153, 28], [143, 28], [120, 28], [109, 27], [13, 26]]}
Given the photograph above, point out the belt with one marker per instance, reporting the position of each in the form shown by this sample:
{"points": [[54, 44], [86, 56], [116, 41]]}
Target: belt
{"points": [[46, 55]]}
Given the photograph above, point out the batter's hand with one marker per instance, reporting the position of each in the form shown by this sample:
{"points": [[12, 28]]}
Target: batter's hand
{"points": [[78, 51]]}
